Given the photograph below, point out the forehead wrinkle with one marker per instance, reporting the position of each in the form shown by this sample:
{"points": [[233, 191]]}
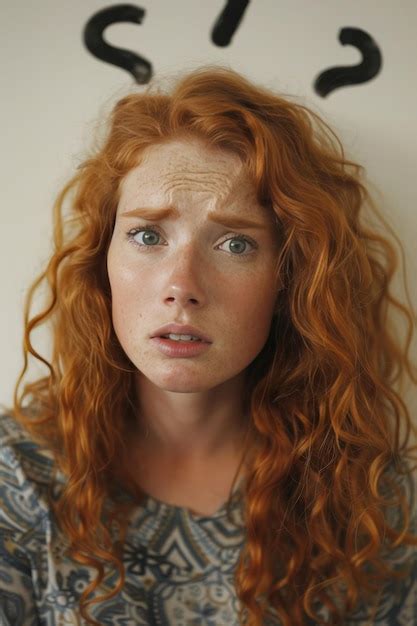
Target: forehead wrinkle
{"points": [[196, 175], [210, 181], [207, 186], [173, 172], [225, 184]]}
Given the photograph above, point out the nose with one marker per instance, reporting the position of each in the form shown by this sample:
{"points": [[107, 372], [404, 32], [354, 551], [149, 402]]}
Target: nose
{"points": [[183, 300], [185, 285]]}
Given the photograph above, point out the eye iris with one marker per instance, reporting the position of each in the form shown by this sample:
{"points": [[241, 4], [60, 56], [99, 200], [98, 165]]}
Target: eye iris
{"points": [[151, 234], [239, 242]]}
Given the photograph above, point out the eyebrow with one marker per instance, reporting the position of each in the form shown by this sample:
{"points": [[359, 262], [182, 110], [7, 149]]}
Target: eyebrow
{"points": [[231, 221]]}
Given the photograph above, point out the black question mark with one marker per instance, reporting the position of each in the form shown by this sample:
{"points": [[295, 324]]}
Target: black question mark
{"points": [[138, 66], [228, 21], [370, 66]]}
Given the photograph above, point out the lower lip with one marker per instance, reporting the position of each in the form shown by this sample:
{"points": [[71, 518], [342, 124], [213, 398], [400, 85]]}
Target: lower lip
{"points": [[170, 347]]}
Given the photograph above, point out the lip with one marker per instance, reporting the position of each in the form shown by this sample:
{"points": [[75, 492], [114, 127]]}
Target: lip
{"points": [[179, 329], [179, 349]]}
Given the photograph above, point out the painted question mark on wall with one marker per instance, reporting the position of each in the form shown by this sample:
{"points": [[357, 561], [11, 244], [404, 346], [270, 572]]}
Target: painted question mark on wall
{"points": [[341, 76], [228, 21], [221, 35], [138, 66]]}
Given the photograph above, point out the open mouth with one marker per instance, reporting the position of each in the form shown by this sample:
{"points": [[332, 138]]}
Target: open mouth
{"points": [[186, 339]]}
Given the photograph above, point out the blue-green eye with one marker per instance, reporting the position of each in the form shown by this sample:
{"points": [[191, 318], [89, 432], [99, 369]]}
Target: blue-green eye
{"points": [[151, 234]]}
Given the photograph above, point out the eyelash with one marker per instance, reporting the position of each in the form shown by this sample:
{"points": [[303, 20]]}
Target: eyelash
{"points": [[153, 228]]}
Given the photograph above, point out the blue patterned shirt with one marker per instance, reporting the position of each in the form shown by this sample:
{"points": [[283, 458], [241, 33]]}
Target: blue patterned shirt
{"points": [[179, 565]]}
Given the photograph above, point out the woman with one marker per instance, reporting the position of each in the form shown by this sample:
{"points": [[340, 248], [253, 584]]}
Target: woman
{"points": [[220, 423]]}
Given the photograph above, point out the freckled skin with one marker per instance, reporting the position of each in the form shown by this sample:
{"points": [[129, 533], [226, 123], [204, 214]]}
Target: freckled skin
{"points": [[191, 406]]}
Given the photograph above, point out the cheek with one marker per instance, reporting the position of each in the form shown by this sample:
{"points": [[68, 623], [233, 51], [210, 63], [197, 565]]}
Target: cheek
{"points": [[128, 296], [252, 302], [249, 320], [127, 283]]}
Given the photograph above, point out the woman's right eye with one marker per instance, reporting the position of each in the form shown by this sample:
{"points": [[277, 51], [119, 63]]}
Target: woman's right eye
{"points": [[131, 234]]}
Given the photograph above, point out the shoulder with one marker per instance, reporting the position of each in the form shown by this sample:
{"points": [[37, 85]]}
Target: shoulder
{"points": [[397, 603], [26, 472], [407, 482]]}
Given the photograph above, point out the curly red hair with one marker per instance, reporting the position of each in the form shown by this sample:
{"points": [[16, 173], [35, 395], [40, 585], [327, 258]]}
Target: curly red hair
{"points": [[324, 412]]}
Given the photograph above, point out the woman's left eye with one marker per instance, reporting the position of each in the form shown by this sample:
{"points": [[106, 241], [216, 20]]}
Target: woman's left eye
{"points": [[131, 234]]}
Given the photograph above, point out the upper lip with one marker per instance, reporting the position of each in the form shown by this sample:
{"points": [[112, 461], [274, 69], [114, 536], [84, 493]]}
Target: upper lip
{"points": [[180, 330]]}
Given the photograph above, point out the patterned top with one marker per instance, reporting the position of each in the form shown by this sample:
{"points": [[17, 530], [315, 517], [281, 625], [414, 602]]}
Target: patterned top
{"points": [[179, 565]]}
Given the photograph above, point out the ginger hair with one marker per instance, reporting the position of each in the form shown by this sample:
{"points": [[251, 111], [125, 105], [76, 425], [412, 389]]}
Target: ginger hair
{"points": [[325, 409]]}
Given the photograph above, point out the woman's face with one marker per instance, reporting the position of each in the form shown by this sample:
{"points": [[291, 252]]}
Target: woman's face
{"points": [[192, 270]]}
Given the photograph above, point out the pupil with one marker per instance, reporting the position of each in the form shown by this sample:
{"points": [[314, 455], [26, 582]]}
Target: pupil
{"points": [[238, 243], [151, 234]]}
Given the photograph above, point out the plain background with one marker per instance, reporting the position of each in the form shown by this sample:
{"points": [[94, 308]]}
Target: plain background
{"points": [[54, 93]]}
